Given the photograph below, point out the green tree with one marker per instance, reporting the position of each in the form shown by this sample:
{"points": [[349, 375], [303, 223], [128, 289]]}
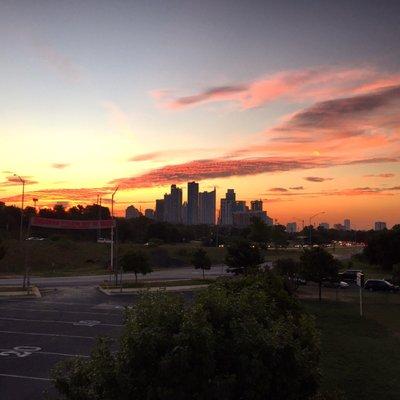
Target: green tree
{"points": [[318, 265], [289, 269], [242, 257], [383, 248], [243, 338], [200, 260], [136, 262]]}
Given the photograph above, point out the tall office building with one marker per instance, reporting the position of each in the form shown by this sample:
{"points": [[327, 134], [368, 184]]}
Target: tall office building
{"points": [[291, 227], [207, 205], [185, 213], [192, 203], [347, 225], [173, 205], [256, 205], [379, 226], [227, 208], [159, 213], [324, 225]]}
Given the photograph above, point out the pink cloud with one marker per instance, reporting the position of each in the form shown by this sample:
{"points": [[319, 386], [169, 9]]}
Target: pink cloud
{"points": [[294, 86]]}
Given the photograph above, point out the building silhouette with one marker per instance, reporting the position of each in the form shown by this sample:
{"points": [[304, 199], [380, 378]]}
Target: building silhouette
{"points": [[192, 203], [149, 213], [207, 205], [380, 226], [132, 212], [347, 225], [291, 227]]}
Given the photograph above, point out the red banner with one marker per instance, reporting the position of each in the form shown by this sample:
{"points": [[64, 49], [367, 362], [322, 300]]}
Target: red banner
{"points": [[71, 223]]}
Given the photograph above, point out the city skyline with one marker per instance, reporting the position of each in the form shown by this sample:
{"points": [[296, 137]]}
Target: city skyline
{"points": [[284, 103]]}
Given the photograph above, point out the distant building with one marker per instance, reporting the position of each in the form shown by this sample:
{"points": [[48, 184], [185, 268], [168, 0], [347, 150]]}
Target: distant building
{"points": [[338, 227], [227, 208], [256, 205], [185, 213], [173, 205], [380, 226], [192, 203], [132, 212], [347, 225], [159, 212], [207, 205], [245, 218], [291, 227], [324, 225], [149, 213]]}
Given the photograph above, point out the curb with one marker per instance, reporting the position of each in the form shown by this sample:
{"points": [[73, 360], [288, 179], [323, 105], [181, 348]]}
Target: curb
{"points": [[125, 291]]}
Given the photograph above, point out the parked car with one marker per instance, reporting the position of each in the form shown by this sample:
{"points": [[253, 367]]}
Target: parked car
{"points": [[380, 285], [335, 284], [350, 275]]}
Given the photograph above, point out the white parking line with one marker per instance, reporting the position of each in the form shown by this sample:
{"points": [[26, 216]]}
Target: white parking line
{"points": [[60, 311], [54, 322], [25, 377], [48, 334], [51, 353]]}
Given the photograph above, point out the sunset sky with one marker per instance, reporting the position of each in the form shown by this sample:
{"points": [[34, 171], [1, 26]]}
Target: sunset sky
{"points": [[293, 102]]}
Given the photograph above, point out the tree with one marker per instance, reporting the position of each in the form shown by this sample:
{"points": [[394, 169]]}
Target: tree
{"points": [[259, 231], [243, 338], [383, 248], [136, 262], [242, 257], [318, 265], [200, 260], [2, 250], [289, 269]]}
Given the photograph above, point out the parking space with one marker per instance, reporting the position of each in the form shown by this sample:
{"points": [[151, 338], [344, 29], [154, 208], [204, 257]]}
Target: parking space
{"points": [[37, 334]]}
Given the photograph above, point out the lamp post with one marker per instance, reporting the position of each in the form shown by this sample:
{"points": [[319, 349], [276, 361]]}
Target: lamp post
{"points": [[310, 226], [22, 206], [112, 234]]}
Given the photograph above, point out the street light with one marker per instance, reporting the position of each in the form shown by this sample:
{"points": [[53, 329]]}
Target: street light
{"points": [[313, 216], [112, 233], [22, 205]]}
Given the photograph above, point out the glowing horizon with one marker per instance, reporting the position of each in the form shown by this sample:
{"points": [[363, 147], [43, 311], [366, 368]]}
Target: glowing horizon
{"points": [[144, 97]]}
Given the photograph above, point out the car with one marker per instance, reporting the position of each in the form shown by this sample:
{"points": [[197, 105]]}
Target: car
{"points": [[335, 284], [350, 275], [34, 238], [380, 285]]}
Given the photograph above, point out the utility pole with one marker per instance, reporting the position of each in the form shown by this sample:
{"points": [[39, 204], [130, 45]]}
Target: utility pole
{"points": [[22, 206], [112, 235]]}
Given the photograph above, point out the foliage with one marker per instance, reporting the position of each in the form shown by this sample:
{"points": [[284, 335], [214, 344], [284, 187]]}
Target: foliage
{"points": [[137, 262], [260, 232], [242, 257], [383, 248], [319, 265], [289, 269], [240, 339], [200, 260], [396, 274], [2, 250]]}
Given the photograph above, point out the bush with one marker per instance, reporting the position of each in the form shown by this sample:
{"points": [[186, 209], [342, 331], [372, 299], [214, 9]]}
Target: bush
{"points": [[241, 338]]}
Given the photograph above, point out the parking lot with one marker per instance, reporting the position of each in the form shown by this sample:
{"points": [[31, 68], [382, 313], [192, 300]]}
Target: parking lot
{"points": [[36, 334]]}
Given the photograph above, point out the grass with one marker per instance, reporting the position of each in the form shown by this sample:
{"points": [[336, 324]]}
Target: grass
{"points": [[360, 355], [185, 282]]}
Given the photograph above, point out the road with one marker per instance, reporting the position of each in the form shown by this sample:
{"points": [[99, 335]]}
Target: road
{"points": [[93, 280]]}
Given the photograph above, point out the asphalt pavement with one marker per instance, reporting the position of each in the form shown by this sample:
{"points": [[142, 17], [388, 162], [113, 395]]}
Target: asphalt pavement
{"points": [[36, 334]]}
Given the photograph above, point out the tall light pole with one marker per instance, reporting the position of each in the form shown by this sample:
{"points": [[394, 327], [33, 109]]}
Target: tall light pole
{"points": [[112, 231], [22, 206], [310, 226]]}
